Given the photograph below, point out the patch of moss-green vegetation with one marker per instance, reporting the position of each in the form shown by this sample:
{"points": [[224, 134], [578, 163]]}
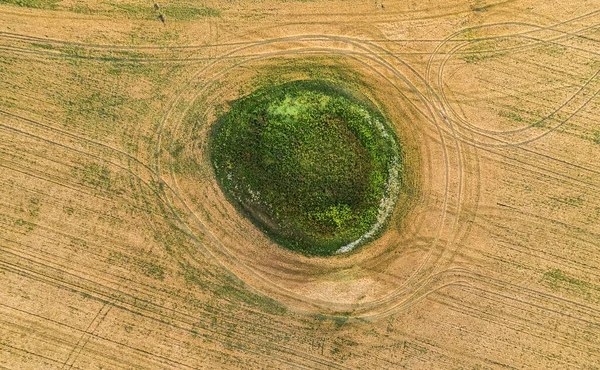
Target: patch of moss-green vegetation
{"points": [[226, 288], [146, 267], [308, 163], [98, 177], [558, 279], [37, 4], [511, 115], [146, 11], [596, 137], [134, 11]]}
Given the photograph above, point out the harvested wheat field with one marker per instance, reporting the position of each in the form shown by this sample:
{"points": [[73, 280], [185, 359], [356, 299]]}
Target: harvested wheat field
{"points": [[167, 169]]}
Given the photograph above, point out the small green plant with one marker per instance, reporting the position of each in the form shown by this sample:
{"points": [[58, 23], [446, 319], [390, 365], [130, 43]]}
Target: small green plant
{"points": [[34, 207], [596, 137], [511, 115], [29, 226]]}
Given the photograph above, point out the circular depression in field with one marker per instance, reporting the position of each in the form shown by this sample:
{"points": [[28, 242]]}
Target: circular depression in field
{"points": [[437, 192], [313, 165]]}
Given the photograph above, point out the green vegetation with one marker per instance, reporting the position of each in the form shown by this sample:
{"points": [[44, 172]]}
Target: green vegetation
{"points": [[478, 56], [29, 226], [556, 278], [141, 264], [228, 289], [552, 49], [38, 4], [573, 201], [34, 207], [183, 13], [41, 46], [511, 115], [174, 12], [308, 163], [473, 58], [98, 177], [556, 275], [596, 136], [526, 117], [133, 11], [478, 51], [151, 269]]}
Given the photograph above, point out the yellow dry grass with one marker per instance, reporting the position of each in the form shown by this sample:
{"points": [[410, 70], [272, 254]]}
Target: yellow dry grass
{"points": [[118, 250]]}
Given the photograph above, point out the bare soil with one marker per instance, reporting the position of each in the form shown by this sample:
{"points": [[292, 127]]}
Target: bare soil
{"points": [[118, 249]]}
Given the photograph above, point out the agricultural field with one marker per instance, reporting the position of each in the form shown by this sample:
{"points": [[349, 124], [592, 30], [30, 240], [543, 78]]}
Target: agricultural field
{"points": [[467, 132]]}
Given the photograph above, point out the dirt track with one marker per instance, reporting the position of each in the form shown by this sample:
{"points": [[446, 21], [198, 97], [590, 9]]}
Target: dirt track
{"points": [[118, 250]]}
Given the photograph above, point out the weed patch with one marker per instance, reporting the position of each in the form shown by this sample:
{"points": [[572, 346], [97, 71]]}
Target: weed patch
{"points": [[306, 162]]}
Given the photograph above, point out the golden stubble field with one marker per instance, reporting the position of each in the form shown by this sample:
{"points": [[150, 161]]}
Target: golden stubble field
{"points": [[118, 250]]}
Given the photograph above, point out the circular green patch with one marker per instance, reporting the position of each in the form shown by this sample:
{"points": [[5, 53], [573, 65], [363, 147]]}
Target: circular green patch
{"points": [[311, 165]]}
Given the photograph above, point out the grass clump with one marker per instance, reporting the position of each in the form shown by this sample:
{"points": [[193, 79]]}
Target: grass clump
{"points": [[307, 162]]}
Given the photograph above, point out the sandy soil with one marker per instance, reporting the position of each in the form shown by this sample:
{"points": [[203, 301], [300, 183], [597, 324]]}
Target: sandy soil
{"points": [[118, 249]]}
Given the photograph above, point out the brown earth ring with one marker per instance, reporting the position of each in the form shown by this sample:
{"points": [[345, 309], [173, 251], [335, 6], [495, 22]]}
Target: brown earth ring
{"points": [[316, 284]]}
